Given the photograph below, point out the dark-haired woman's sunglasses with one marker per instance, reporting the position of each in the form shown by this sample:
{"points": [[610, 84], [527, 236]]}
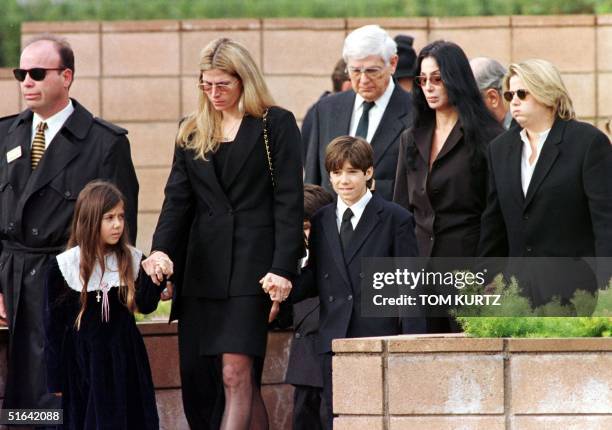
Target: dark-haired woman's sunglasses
{"points": [[37, 73], [521, 94], [421, 81]]}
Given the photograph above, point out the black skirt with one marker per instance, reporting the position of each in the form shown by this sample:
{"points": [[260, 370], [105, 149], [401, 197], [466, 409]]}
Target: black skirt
{"points": [[238, 324]]}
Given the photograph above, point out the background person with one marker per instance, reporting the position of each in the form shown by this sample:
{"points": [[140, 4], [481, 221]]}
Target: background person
{"points": [[404, 72], [235, 194], [49, 152], [441, 172], [376, 109], [489, 74]]}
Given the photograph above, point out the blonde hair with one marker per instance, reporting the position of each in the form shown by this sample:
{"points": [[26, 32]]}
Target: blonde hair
{"points": [[544, 83], [201, 130]]}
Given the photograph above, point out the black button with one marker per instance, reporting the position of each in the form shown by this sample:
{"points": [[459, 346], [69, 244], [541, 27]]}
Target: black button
{"points": [[67, 193], [350, 297], [32, 272], [361, 275], [431, 238], [298, 335], [529, 249], [331, 298], [34, 232], [41, 193], [525, 217], [326, 275], [11, 226]]}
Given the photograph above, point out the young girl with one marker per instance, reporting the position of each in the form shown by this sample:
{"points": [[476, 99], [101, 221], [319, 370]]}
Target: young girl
{"points": [[96, 358]]}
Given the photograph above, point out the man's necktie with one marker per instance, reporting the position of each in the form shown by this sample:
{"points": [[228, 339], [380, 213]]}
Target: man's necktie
{"points": [[364, 121], [346, 228], [38, 145]]}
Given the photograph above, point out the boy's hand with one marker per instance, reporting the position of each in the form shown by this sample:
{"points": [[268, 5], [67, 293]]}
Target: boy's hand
{"points": [[274, 311]]}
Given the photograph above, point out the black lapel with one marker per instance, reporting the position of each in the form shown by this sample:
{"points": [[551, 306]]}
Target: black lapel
{"points": [[550, 152], [247, 138], [368, 221], [330, 230], [422, 140], [393, 122], [451, 141], [514, 150], [205, 169], [20, 135], [340, 118], [64, 147]]}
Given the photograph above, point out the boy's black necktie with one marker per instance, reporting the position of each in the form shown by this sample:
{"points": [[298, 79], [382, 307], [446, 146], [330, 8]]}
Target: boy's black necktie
{"points": [[346, 228], [364, 121]]}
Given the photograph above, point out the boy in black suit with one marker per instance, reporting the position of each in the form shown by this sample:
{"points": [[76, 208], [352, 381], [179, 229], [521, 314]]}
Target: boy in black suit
{"points": [[360, 224], [304, 367]]}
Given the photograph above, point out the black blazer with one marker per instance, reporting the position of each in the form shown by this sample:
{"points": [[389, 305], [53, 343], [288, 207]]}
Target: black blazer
{"points": [[447, 201], [567, 211], [384, 230], [235, 236], [332, 118]]}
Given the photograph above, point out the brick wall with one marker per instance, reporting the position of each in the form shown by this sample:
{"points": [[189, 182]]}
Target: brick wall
{"points": [[142, 75], [446, 383]]}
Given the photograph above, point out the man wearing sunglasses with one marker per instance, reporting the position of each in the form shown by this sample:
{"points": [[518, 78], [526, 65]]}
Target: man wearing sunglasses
{"points": [[377, 109], [48, 153]]}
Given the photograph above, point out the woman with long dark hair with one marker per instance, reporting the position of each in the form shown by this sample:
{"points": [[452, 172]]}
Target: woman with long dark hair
{"points": [[442, 169]]}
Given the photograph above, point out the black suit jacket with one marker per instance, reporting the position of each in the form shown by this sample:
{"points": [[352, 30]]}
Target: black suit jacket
{"points": [[236, 235], [448, 200], [332, 118], [384, 230], [36, 209], [567, 211]]}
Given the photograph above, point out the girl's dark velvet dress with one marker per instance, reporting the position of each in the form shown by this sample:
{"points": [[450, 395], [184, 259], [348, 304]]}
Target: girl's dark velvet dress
{"points": [[102, 370]]}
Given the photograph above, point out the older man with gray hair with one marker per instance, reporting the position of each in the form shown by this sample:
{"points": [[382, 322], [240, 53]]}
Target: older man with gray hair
{"points": [[489, 74], [376, 109]]}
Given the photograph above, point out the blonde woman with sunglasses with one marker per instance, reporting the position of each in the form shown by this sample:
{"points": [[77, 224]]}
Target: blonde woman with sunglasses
{"points": [[550, 183]]}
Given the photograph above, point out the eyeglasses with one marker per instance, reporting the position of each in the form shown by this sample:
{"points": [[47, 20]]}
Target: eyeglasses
{"points": [[37, 73], [421, 80], [222, 87], [521, 94], [370, 72]]}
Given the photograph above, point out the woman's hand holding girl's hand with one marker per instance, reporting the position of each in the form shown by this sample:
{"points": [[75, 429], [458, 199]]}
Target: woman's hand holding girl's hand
{"points": [[276, 286], [158, 265]]}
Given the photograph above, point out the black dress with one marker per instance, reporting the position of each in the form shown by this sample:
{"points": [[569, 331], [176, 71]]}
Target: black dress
{"points": [[238, 324], [102, 369]]}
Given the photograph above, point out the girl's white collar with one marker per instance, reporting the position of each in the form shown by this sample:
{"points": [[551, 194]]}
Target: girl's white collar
{"points": [[69, 264]]}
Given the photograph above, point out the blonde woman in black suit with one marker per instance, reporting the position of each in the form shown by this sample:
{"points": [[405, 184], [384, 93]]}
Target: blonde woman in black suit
{"points": [[234, 198], [550, 181]]}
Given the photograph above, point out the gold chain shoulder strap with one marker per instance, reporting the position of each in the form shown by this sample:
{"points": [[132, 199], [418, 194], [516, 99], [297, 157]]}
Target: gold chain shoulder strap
{"points": [[267, 142]]}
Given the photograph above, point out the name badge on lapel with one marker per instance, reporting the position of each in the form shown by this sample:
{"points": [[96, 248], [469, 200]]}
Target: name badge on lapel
{"points": [[13, 154]]}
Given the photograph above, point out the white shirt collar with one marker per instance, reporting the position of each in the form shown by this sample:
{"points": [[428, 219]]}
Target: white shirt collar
{"points": [[357, 208], [54, 122], [381, 102], [527, 168], [69, 263]]}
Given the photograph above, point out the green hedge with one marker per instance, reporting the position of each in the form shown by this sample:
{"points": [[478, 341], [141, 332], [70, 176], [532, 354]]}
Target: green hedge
{"points": [[14, 12]]}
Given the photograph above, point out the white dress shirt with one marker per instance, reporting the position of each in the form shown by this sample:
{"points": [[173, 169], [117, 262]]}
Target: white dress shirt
{"points": [[357, 209], [526, 168], [375, 114], [54, 123]]}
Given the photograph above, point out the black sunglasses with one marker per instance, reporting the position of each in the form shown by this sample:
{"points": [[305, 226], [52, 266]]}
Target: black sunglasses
{"points": [[37, 73], [521, 94]]}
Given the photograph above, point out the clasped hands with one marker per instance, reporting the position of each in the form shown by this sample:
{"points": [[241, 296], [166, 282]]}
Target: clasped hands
{"points": [[278, 288], [158, 265]]}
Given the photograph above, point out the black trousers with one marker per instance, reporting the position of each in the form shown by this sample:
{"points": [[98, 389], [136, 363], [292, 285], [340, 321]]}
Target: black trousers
{"points": [[308, 408], [327, 390]]}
